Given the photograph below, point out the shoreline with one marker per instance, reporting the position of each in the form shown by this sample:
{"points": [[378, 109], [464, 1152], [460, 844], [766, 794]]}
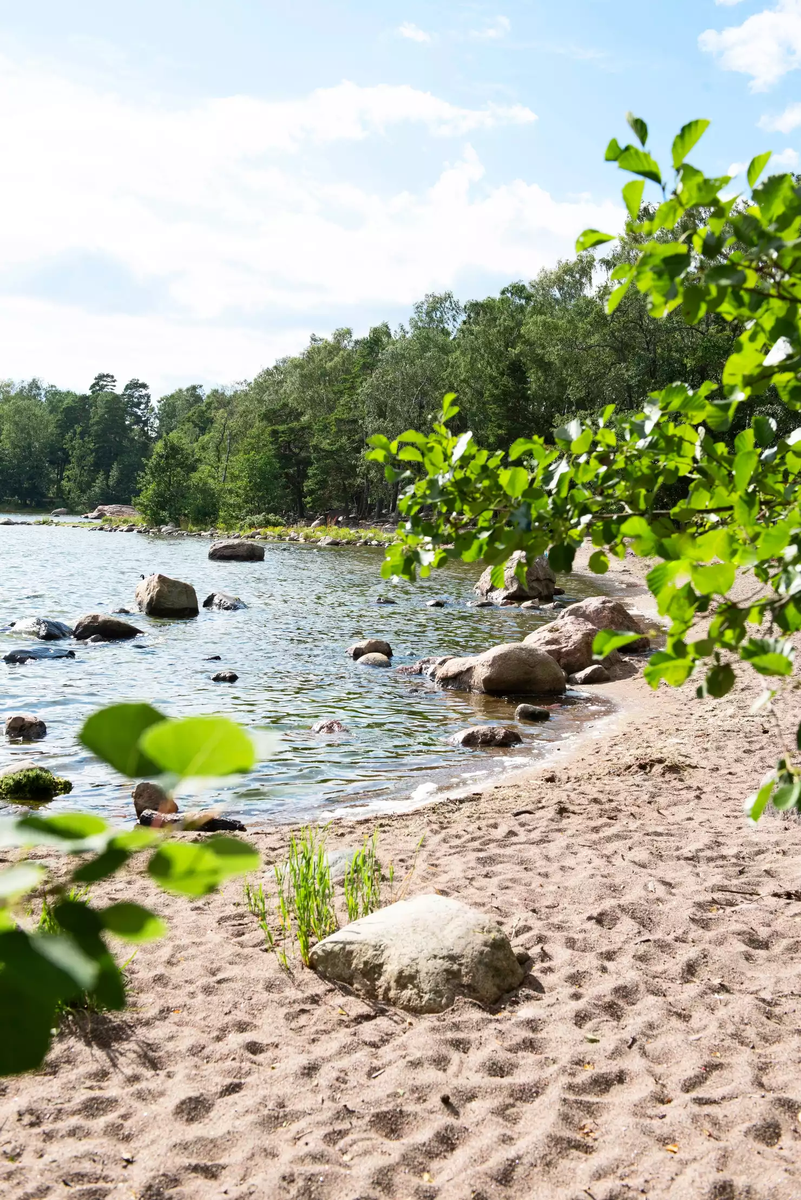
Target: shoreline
{"points": [[651, 1049]]}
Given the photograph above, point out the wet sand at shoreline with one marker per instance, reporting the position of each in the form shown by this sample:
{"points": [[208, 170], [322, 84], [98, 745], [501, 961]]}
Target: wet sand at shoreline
{"points": [[652, 1049]]}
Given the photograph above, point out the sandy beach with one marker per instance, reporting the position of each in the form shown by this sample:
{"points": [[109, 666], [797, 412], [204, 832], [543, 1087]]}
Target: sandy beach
{"points": [[653, 1048]]}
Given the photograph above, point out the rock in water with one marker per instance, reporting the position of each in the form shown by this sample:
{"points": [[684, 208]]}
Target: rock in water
{"points": [[236, 551], [530, 712], [191, 822], [25, 726], [160, 596], [597, 673], [111, 629], [225, 677], [224, 602], [374, 660], [148, 796], [36, 653], [420, 955], [27, 781], [480, 736], [539, 585], [435, 603], [329, 726], [42, 628], [370, 646], [512, 669]]}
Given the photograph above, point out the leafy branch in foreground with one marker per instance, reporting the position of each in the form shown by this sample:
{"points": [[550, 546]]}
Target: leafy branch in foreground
{"points": [[614, 479], [67, 957]]}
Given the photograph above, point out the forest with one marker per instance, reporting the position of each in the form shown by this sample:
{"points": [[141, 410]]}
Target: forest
{"points": [[292, 441]]}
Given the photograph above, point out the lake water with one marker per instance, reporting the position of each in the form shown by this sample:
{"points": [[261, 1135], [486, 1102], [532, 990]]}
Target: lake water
{"points": [[305, 606]]}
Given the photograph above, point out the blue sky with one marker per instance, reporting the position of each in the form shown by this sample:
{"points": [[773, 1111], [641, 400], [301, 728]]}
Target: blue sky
{"points": [[192, 188]]}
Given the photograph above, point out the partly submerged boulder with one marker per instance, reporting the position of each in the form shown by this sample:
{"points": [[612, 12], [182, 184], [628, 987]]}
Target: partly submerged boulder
{"points": [[36, 654], [420, 955], [531, 712], [539, 585], [370, 646], [374, 660], [161, 596], [236, 551], [110, 629], [27, 781], [512, 669], [224, 602], [59, 512], [479, 737], [25, 726], [42, 628], [225, 677], [330, 725]]}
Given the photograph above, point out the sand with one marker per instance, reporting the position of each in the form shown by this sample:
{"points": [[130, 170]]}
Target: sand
{"points": [[653, 1048]]}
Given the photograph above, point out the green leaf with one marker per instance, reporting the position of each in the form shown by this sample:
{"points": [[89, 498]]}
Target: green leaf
{"points": [[132, 922], [716, 578], [561, 557], [613, 151], [514, 481], [592, 237], [617, 295], [745, 463], [598, 562], [409, 454], [609, 639], [686, 138], [639, 127], [17, 880], [114, 733], [764, 429], [101, 867], [757, 166], [632, 196], [639, 163], [755, 805], [786, 796], [61, 832], [197, 869], [719, 681], [199, 746], [772, 664]]}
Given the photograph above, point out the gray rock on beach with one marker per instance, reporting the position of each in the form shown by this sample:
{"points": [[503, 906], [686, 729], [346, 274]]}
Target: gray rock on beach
{"points": [[43, 628], [512, 669], [370, 646], [110, 629], [148, 796], [224, 602], [597, 673], [161, 596], [26, 727], [479, 737], [569, 638], [420, 955], [539, 585], [236, 551]]}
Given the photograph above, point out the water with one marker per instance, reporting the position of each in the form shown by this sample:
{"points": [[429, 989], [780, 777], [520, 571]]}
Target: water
{"points": [[305, 606]]}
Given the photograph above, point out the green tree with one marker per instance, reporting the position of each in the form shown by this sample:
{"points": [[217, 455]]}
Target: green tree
{"points": [[165, 485]]}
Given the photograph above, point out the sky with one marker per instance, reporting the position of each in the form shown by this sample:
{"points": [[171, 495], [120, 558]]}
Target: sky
{"points": [[190, 189]]}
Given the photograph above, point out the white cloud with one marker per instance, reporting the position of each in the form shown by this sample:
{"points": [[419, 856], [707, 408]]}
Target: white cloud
{"points": [[786, 122], [728, 3], [766, 46], [499, 28], [413, 32], [787, 158], [213, 208], [736, 168]]}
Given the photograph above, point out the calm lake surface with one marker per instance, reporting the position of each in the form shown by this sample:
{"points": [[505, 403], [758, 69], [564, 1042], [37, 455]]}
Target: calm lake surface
{"points": [[305, 606]]}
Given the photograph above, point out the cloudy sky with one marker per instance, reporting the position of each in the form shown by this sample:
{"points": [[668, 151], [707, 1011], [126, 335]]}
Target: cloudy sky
{"points": [[191, 188]]}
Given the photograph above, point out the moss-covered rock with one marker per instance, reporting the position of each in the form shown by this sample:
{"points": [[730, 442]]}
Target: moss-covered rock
{"points": [[33, 783]]}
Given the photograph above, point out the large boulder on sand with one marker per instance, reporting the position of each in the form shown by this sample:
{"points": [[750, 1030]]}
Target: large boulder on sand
{"points": [[479, 737], [539, 585], [420, 955], [148, 796], [110, 629], [236, 551], [160, 596], [569, 639], [370, 646], [513, 669]]}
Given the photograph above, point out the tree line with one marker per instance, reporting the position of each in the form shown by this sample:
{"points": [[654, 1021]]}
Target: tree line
{"points": [[292, 441]]}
